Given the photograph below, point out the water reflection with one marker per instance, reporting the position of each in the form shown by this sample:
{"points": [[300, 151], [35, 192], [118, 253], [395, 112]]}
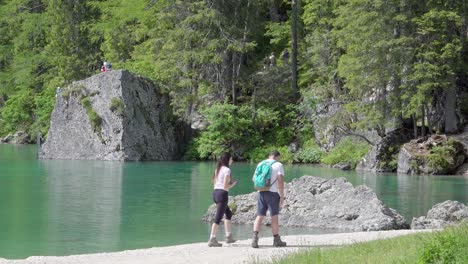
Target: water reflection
{"points": [[84, 204]]}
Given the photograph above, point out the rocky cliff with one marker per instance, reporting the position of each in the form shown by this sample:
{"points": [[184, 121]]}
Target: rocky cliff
{"points": [[114, 115], [383, 155]]}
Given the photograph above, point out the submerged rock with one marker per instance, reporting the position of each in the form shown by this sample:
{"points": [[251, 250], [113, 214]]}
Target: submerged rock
{"points": [[441, 215], [114, 115], [322, 203]]}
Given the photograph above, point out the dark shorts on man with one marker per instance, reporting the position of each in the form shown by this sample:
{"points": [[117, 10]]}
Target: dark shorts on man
{"points": [[268, 201]]}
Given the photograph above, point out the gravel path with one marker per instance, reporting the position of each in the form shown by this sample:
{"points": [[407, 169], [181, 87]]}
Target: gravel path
{"points": [[239, 252]]}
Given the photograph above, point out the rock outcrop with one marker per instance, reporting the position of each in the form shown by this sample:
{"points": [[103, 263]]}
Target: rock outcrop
{"points": [[114, 115], [19, 137], [437, 154], [382, 156], [441, 215], [322, 203], [342, 166]]}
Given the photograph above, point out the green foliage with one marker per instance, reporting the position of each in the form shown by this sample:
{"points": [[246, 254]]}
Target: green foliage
{"points": [[44, 103], [233, 207], [441, 157], [347, 150], [393, 164], [309, 153], [446, 246], [232, 128], [16, 114], [116, 106], [262, 153], [94, 118], [71, 50], [191, 152]]}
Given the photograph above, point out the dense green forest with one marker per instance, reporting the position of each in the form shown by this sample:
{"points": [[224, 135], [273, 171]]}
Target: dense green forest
{"points": [[377, 63]]}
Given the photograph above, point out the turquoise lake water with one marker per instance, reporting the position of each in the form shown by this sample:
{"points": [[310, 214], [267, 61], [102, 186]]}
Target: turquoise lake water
{"points": [[62, 207]]}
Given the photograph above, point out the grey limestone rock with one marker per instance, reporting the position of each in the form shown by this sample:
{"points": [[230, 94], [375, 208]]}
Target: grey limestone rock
{"points": [[322, 203], [414, 157], [379, 158], [342, 166], [20, 137], [113, 115], [462, 170], [441, 215]]}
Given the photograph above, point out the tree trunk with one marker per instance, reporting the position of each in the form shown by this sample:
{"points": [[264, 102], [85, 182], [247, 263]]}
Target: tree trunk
{"points": [[423, 117], [233, 79], [244, 40], [294, 49], [450, 116], [429, 120], [254, 104], [415, 126]]}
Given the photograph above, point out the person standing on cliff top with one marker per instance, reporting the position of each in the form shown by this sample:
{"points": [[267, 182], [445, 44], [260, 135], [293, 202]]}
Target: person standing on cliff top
{"points": [[270, 200], [222, 181], [106, 66]]}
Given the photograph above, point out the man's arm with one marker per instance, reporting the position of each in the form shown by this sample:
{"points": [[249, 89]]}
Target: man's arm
{"points": [[281, 189]]}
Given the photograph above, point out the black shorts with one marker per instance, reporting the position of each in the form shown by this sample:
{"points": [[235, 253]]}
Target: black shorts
{"points": [[268, 201], [220, 197]]}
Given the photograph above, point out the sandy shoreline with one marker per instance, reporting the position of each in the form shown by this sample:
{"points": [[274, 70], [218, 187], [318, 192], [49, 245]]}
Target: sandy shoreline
{"points": [[239, 252]]}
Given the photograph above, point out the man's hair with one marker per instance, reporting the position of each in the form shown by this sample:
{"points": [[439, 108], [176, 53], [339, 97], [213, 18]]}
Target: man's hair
{"points": [[275, 153]]}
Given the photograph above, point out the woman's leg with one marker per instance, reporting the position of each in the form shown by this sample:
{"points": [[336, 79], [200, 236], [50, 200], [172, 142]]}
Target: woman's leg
{"points": [[218, 197], [227, 226], [214, 230], [227, 220]]}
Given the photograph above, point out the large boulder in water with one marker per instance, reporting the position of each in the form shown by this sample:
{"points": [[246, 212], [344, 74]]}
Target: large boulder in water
{"points": [[441, 215], [114, 115], [322, 203], [437, 154]]}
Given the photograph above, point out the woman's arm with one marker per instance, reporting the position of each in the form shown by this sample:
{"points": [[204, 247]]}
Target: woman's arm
{"points": [[227, 182]]}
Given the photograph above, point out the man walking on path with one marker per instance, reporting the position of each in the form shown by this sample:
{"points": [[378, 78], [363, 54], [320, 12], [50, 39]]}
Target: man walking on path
{"points": [[271, 200]]}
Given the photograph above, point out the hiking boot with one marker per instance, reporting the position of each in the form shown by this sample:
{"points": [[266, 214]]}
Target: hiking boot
{"points": [[230, 239], [214, 243], [277, 242], [255, 241]]}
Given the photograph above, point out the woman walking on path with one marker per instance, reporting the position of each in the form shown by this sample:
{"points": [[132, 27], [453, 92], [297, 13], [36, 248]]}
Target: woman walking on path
{"points": [[222, 181]]}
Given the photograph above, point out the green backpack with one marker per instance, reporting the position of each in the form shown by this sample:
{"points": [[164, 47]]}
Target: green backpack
{"points": [[262, 176]]}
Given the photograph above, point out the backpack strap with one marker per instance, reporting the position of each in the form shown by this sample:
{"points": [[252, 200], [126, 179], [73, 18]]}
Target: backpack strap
{"points": [[269, 165]]}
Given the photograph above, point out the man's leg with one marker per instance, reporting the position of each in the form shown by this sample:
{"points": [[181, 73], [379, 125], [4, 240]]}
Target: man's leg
{"points": [[258, 223], [274, 225], [256, 229], [274, 211]]}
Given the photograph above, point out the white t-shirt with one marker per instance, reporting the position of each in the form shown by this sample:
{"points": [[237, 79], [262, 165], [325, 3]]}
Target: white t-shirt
{"points": [[222, 173], [276, 170]]}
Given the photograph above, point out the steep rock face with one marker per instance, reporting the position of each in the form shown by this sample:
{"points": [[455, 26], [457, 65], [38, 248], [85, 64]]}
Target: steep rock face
{"points": [[441, 215], [463, 138], [437, 154], [382, 156], [114, 115], [322, 203]]}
